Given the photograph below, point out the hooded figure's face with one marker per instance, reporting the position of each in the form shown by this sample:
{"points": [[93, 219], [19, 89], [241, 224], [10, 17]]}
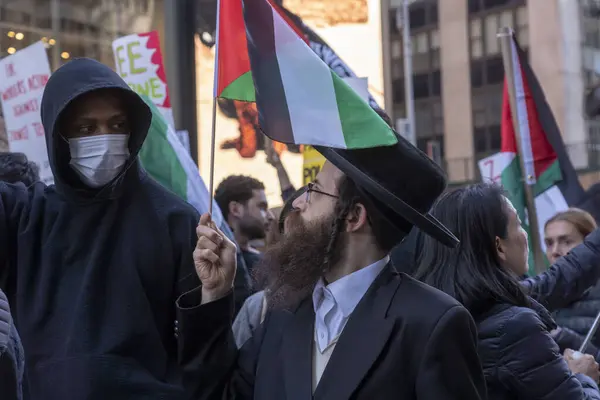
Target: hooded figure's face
{"points": [[97, 128], [95, 113]]}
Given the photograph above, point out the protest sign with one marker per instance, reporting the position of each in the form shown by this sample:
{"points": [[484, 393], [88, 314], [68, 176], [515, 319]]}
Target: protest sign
{"points": [[139, 62], [24, 77]]}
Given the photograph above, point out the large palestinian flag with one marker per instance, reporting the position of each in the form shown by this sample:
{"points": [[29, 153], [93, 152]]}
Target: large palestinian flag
{"points": [[547, 165]]}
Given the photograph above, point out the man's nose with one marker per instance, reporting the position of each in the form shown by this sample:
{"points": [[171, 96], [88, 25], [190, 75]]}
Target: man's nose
{"points": [[299, 202]]}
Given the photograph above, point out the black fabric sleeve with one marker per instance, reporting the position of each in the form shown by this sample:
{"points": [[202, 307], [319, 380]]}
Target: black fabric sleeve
{"points": [[568, 278], [15, 203], [208, 346], [531, 367]]}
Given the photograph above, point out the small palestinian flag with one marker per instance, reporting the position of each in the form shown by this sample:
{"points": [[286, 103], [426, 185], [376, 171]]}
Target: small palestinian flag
{"points": [[300, 100], [547, 165]]}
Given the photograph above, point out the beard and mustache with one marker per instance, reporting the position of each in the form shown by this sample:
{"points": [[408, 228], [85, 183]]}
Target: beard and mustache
{"points": [[289, 270]]}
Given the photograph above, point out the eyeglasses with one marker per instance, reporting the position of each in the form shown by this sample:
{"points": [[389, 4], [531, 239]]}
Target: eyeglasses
{"points": [[310, 188]]}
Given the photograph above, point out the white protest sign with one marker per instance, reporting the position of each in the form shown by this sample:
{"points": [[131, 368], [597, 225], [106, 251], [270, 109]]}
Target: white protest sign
{"points": [[23, 78], [491, 167], [139, 62]]}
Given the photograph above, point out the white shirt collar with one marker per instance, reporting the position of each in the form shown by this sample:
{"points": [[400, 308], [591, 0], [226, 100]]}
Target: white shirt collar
{"points": [[350, 289]]}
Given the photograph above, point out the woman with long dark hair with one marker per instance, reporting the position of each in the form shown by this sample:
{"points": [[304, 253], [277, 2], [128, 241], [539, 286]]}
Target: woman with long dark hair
{"points": [[520, 358]]}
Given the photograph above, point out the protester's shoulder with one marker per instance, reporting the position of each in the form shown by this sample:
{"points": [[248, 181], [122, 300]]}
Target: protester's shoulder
{"points": [[415, 299], [168, 203], [512, 323], [424, 293]]}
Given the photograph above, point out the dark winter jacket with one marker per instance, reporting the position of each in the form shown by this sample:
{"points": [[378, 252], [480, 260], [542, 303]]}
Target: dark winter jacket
{"points": [[521, 360], [11, 355], [92, 275], [519, 357], [577, 318]]}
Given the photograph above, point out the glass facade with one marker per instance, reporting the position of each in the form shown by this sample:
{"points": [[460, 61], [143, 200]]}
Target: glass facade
{"points": [[427, 80], [69, 28], [486, 18]]}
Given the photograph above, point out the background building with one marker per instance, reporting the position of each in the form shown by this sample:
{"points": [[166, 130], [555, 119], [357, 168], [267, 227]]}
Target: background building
{"points": [[458, 73], [70, 28]]}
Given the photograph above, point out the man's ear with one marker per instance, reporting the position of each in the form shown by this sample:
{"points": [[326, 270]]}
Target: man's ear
{"points": [[236, 209], [357, 218]]}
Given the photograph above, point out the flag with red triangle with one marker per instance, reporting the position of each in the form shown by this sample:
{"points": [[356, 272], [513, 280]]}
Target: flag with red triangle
{"points": [[547, 165], [233, 77]]}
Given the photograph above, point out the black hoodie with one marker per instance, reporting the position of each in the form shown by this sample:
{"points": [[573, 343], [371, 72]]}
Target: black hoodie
{"points": [[92, 275]]}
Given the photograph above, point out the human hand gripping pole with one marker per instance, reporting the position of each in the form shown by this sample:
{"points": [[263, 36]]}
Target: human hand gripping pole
{"points": [[214, 260]]}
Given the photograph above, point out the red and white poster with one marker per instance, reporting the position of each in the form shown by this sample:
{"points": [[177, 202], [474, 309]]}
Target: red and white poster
{"points": [[23, 78], [139, 62]]}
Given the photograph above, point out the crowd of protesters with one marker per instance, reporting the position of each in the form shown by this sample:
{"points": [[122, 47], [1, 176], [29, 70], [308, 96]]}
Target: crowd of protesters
{"points": [[366, 284]]}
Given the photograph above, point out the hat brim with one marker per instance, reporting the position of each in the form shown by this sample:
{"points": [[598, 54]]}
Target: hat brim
{"points": [[391, 206]]}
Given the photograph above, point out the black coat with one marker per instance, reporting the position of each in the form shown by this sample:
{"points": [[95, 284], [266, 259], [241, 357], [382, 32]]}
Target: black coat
{"points": [[405, 340], [522, 361], [93, 275]]}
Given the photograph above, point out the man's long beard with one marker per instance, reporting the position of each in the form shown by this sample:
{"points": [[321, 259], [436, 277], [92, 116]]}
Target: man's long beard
{"points": [[289, 270]]}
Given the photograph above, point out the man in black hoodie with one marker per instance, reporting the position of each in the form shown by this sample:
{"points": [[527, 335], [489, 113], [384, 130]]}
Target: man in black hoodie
{"points": [[93, 265]]}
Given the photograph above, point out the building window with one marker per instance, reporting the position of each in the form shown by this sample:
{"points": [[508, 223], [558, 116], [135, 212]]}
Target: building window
{"points": [[476, 39], [487, 114], [478, 6], [492, 46], [426, 79], [522, 28]]}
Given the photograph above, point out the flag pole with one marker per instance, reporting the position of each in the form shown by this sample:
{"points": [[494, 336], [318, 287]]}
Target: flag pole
{"points": [[211, 179], [505, 35], [213, 135]]}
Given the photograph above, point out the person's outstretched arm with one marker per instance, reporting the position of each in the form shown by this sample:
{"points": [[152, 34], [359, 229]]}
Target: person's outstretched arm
{"points": [[15, 202], [567, 279]]}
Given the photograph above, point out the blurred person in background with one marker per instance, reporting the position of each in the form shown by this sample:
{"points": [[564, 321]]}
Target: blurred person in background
{"points": [[244, 205], [254, 310], [518, 354], [563, 232], [15, 167], [3, 136]]}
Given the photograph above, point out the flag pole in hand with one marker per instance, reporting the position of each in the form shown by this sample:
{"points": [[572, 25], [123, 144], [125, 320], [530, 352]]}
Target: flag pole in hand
{"points": [[211, 179], [588, 338]]}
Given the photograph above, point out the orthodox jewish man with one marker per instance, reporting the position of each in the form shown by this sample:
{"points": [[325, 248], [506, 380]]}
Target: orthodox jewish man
{"points": [[342, 323]]}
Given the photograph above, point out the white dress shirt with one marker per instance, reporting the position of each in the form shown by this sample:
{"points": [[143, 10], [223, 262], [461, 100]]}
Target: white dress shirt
{"points": [[335, 302]]}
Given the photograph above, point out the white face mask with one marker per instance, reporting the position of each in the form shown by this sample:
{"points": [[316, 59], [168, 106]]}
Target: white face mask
{"points": [[99, 159]]}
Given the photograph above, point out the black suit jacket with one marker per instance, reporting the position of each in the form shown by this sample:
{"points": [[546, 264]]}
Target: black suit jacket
{"points": [[405, 340]]}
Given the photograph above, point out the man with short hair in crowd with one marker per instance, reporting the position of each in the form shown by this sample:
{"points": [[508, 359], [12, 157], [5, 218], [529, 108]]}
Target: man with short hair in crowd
{"points": [[244, 205]]}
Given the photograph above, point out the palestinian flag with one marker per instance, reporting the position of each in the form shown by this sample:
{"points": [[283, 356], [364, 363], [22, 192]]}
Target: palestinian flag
{"points": [[547, 165], [233, 78], [300, 100], [168, 162]]}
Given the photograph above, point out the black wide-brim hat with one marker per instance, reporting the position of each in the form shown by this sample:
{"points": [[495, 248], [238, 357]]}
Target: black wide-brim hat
{"points": [[400, 180]]}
